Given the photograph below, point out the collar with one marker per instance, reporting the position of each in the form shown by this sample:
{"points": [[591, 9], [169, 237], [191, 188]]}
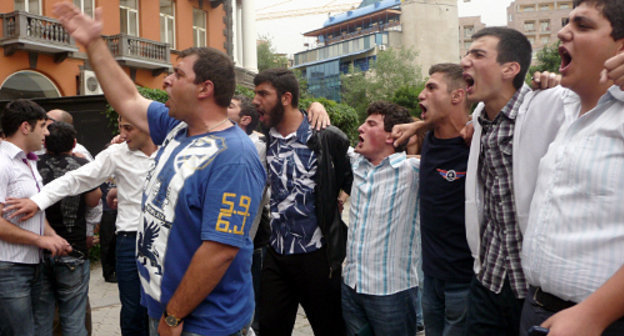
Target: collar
{"points": [[302, 133], [510, 110], [616, 93], [394, 160], [16, 152]]}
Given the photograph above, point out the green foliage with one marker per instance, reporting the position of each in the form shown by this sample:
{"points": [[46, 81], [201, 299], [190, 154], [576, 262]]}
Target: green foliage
{"points": [[152, 94], [267, 58], [548, 59], [341, 115], [393, 70], [94, 252], [241, 90], [407, 96]]}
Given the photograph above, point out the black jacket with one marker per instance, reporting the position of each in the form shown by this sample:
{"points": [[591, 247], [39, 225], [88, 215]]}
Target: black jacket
{"points": [[333, 174]]}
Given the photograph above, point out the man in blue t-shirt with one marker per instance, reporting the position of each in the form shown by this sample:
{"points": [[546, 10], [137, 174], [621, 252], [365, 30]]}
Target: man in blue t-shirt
{"points": [[447, 262], [200, 196]]}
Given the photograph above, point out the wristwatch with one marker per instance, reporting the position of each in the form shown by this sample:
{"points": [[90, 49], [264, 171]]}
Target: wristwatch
{"points": [[171, 320]]}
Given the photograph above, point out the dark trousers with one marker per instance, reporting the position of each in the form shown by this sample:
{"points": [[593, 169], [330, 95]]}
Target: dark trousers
{"points": [[534, 315], [107, 243], [290, 280], [491, 313]]}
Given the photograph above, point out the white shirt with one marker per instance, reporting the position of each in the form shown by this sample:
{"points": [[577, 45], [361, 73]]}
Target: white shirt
{"points": [[533, 132], [383, 242], [575, 236], [130, 170], [16, 180]]}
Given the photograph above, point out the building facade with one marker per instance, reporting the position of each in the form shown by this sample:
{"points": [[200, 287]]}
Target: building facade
{"points": [[39, 59], [354, 38], [539, 20], [468, 25]]}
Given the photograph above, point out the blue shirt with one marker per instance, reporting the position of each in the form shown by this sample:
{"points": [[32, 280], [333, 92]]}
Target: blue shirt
{"points": [[205, 187], [292, 170]]}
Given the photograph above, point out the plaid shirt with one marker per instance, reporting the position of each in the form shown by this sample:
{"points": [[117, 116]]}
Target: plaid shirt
{"points": [[501, 239]]}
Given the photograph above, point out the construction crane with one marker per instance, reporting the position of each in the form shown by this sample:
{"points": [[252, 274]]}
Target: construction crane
{"points": [[328, 8]]}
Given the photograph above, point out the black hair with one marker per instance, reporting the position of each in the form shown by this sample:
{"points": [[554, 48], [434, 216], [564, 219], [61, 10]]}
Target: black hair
{"points": [[18, 111], [393, 114], [247, 109], [613, 10], [61, 138], [283, 80]]}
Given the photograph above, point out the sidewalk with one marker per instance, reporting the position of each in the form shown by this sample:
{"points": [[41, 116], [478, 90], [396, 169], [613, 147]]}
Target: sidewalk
{"points": [[105, 307]]}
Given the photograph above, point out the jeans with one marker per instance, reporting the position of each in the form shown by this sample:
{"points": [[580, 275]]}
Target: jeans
{"points": [[64, 280], [393, 314], [153, 330], [20, 286], [534, 315], [133, 316], [445, 305], [491, 313]]}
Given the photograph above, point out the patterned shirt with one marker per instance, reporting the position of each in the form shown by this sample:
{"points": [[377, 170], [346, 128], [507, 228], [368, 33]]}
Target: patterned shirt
{"points": [[501, 239], [383, 244], [292, 170]]}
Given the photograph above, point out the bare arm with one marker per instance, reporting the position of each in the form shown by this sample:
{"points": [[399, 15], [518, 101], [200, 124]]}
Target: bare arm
{"points": [[317, 116], [594, 314], [93, 197], [117, 86], [207, 267]]}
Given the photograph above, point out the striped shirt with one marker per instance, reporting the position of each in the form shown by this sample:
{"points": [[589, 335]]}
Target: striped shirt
{"points": [[501, 239], [383, 244], [574, 239], [17, 179]]}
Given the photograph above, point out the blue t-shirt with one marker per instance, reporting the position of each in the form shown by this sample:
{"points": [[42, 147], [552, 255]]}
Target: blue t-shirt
{"points": [[445, 252], [205, 187]]}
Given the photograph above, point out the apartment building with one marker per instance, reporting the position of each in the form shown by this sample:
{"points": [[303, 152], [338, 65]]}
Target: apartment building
{"points": [[39, 59], [468, 25]]}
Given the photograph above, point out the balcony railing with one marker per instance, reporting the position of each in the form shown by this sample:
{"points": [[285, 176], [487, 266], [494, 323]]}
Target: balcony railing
{"points": [[139, 52], [26, 31]]}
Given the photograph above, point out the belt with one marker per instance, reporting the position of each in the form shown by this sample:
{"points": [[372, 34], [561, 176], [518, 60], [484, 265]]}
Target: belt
{"points": [[126, 234], [549, 301]]}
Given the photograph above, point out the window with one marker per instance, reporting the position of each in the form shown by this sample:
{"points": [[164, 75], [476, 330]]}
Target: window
{"points": [[545, 39], [564, 5], [167, 23], [129, 17], [468, 31], [199, 28], [28, 84], [529, 8], [86, 6], [545, 25], [529, 26], [30, 6], [531, 39], [545, 7]]}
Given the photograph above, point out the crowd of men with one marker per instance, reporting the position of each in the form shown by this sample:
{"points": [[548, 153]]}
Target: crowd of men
{"points": [[504, 224]]}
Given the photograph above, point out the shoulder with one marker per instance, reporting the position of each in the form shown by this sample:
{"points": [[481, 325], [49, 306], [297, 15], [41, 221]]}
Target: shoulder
{"points": [[332, 133]]}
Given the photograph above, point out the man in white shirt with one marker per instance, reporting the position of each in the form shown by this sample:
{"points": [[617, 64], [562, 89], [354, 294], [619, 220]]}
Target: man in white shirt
{"points": [[24, 124], [574, 239], [129, 163]]}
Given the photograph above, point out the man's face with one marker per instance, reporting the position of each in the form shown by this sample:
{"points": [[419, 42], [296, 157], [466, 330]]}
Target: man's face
{"points": [[233, 111], [181, 88], [434, 99], [37, 134], [586, 44], [268, 105], [481, 70], [134, 138], [373, 137]]}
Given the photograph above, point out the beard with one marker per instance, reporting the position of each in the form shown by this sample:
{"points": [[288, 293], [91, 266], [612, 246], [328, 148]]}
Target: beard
{"points": [[276, 115]]}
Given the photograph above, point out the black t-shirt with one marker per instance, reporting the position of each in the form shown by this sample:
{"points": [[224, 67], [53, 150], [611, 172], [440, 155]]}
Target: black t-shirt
{"points": [[445, 252], [67, 216]]}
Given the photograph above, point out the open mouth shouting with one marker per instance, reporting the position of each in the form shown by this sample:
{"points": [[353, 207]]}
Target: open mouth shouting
{"points": [[423, 109], [566, 59], [469, 83]]}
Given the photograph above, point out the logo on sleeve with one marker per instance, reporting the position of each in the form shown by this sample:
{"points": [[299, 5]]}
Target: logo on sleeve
{"points": [[450, 175]]}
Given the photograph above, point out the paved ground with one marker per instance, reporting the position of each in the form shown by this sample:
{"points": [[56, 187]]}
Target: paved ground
{"points": [[105, 308]]}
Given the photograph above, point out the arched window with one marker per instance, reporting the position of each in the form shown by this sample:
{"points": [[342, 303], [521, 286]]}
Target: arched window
{"points": [[28, 84]]}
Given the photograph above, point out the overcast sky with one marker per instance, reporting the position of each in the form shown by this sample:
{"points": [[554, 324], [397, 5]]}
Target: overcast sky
{"points": [[286, 33]]}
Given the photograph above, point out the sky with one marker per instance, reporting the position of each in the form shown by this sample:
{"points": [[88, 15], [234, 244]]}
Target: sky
{"points": [[286, 33]]}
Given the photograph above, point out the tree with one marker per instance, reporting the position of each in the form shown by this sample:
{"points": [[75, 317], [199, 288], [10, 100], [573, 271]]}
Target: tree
{"points": [[341, 115], [407, 96], [548, 59], [267, 57], [392, 71], [152, 94]]}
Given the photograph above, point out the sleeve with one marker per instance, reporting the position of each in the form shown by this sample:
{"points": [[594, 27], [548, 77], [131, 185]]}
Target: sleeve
{"points": [[231, 201], [159, 121], [342, 162], [4, 180], [80, 180]]}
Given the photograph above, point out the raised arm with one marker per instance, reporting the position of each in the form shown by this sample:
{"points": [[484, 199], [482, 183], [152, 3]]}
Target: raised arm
{"points": [[117, 86]]}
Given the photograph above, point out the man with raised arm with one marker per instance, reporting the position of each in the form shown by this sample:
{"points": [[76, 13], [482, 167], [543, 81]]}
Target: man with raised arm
{"points": [[194, 251]]}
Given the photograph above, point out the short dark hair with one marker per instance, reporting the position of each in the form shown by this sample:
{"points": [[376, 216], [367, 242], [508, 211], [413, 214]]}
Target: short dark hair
{"points": [[61, 137], [513, 46], [247, 109], [613, 10], [18, 111], [283, 80], [215, 66], [393, 114], [453, 74]]}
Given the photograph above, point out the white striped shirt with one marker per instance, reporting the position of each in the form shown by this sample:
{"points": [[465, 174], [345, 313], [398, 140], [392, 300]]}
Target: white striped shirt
{"points": [[574, 239], [383, 244], [16, 180]]}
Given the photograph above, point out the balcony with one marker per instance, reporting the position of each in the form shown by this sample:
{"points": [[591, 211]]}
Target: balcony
{"points": [[139, 52], [35, 33]]}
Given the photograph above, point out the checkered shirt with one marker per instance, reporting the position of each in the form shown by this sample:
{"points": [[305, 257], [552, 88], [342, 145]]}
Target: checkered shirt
{"points": [[501, 239]]}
